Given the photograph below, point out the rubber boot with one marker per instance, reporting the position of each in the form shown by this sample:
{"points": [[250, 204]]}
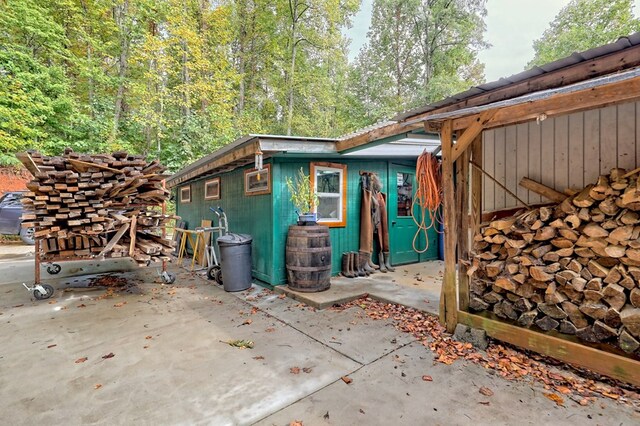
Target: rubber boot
{"points": [[387, 262], [345, 266], [383, 268], [352, 265], [371, 264], [367, 260], [357, 267]]}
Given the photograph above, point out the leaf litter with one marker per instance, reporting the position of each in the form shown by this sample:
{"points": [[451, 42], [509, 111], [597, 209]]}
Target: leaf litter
{"points": [[510, 363]]}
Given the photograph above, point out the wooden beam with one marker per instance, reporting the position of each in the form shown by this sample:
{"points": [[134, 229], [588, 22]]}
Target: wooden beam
{"points": [[448, 302], [561, 348], [27, 161], [545, 191], [114, 240], [597, 67], [462, 201], [476, 185], [596, 97], [83, 166], [470, 133], [499, 184], [374, 135], [132, 234]]}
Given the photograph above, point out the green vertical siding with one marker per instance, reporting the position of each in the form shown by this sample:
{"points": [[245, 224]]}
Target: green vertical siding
{"points": [[246, 214], [268, 217]]}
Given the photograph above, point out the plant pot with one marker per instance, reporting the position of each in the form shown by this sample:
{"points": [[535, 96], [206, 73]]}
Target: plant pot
{"points": [[307, 219]]}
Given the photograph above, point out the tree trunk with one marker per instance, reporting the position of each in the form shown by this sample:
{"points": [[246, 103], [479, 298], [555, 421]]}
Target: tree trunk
{"points": [[120, 15]]}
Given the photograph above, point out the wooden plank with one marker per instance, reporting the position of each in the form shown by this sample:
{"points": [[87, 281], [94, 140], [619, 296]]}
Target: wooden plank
{"points": [[83, 166], [547, 134], [28, 163], [476, 185], [470, 133], [462, 200], [488, 148], [376, 134], [545, 191], [560, 157], [608, 139], [448, 303], [114, 240], [500, 168], [576, 151], [522, 161], [563, 349], [132, 234], [535, 170], [627, 135], [625, 59], [555, 105], [511, 163], [591, 146]]}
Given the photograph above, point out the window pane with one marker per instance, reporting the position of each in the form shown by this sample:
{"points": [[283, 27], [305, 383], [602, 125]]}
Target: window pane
{"points": [[329, 207], [328, 181], [405, 193]]}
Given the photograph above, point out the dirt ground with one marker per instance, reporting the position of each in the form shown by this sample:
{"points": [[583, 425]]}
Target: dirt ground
{"points": [[13, 179]]}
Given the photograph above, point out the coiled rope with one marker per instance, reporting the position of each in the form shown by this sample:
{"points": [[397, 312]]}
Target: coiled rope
{"points": [[428, 197]]}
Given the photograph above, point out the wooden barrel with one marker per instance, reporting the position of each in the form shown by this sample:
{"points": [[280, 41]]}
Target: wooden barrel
{"points": [[308, 258]]}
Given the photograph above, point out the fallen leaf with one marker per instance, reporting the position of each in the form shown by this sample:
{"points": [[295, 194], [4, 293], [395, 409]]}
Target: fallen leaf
{"points": [[258, 357], [97, 386], [81, 360], [427, 378], [242, 344], [563, 389], [555, 398], [119, 305], [149, 337], [486, 391], [584, 402], [294, 370], [247, 322], [51, 346], [51, 302], [109, 355], [145, 347], [307, 370], [296, 423], [282, 296], [17, 306], [82, 305], [484, 403], [361, 411], [347, 379], [270, 330]]}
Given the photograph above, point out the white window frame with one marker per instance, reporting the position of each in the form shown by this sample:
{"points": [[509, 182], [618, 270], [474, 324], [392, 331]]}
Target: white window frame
{"points": [[341, 220]]}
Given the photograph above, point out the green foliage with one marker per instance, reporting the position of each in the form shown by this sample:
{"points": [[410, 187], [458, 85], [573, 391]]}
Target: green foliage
{"points": [[584, 24], [303, 196]]}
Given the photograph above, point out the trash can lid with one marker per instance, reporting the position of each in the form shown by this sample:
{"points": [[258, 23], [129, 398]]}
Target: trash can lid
{"points": [[234, 239]]}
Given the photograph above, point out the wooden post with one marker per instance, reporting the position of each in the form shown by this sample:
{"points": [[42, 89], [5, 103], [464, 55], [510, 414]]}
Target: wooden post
{"points": [[448, 302], [476, 185], [462, 203]]}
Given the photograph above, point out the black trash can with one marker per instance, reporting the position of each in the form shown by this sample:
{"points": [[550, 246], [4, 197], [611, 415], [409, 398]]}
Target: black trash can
{"points": [[235, 261]]}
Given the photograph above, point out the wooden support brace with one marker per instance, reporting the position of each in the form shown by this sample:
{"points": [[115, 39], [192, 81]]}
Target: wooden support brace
{"points": [[132, 235], [471, 132], [462, 201], [499, 184]]}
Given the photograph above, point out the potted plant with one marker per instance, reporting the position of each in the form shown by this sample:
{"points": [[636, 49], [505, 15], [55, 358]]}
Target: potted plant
{"points": [[303, 197]]}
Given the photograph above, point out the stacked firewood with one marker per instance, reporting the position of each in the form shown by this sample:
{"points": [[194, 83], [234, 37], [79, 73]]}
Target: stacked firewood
{"points": [[573, 267], [97, 206]]}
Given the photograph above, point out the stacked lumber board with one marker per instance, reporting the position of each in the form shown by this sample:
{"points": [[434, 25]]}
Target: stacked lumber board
{"points": [[85, 206], [573, 267]]}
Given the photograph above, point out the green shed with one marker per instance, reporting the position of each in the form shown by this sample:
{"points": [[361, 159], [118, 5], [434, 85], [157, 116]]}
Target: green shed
{"points": [[258, 202]]}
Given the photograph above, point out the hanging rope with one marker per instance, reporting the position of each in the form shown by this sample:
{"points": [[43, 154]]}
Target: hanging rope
{"points": [[428, 197]]}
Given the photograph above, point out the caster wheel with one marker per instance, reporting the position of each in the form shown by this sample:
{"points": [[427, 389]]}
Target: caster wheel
{"points": [[54, 269], [215, 273], [48, 292], [168, 277]]}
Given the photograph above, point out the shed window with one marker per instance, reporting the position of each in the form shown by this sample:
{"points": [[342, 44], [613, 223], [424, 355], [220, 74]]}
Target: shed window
{"points": [[212, 189], [329, 180], [185, 194]]}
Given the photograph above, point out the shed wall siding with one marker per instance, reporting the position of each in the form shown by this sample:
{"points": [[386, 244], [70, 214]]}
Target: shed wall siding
{"points": [[568, 151]]}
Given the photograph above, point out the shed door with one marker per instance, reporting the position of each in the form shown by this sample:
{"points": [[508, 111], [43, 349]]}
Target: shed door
{"points": [[402, 228]]}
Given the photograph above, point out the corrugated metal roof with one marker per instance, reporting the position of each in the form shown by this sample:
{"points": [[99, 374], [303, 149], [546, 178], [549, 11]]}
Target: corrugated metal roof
{"points": [[621, 44], [374, 126], [238, 143]]}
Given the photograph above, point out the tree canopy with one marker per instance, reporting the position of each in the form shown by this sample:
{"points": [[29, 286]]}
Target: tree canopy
{"points": [[582, 25]]}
